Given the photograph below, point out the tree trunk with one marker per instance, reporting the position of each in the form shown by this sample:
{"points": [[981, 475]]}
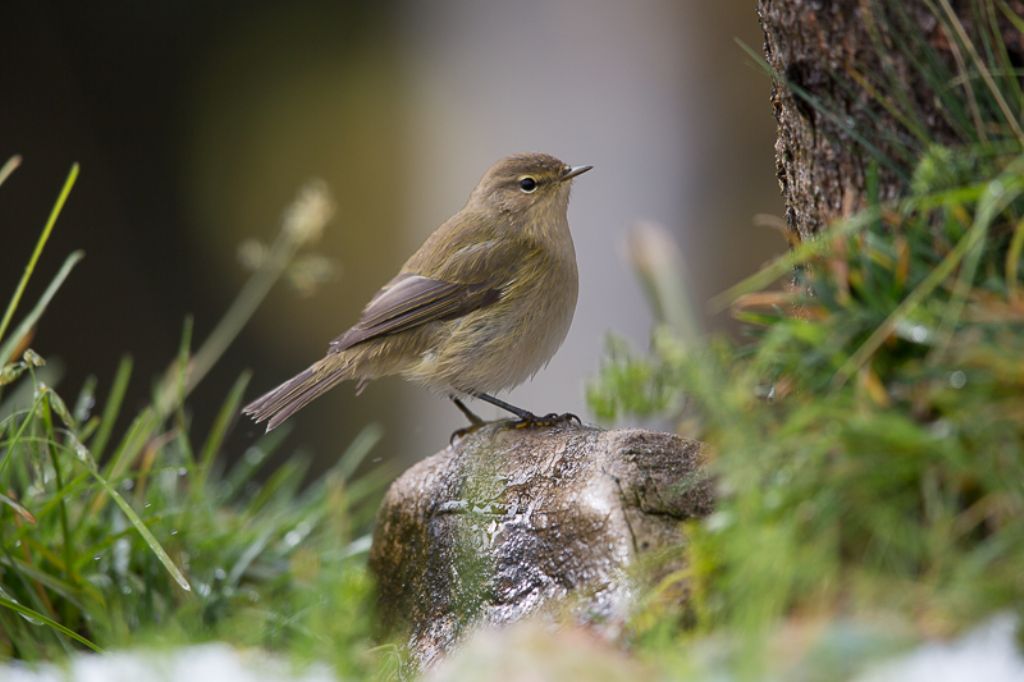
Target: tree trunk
{"points": [[841, 68]]}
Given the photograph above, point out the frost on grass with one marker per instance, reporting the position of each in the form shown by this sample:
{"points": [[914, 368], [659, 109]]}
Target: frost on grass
{"points": [[188, 664]]}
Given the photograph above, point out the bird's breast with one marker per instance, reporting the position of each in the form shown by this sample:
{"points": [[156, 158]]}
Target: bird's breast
{"points": [[530, 321], [503, 344]]}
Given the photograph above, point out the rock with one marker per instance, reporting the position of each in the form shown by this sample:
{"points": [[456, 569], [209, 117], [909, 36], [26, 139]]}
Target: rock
{"points": [[511, 521]]}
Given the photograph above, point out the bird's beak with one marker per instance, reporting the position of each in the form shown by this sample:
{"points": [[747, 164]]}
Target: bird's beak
{"points": [[573, 171]]}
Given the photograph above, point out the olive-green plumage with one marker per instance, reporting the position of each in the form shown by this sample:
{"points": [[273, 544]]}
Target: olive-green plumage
{"points": [[480, 307]]}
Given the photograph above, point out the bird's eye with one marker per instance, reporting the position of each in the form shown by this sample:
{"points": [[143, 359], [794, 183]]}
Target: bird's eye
{"points": [[527, 184]]}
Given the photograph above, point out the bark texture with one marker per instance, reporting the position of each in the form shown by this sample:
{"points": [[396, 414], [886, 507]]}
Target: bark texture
{"points": [[850, 57], [509, 522]]}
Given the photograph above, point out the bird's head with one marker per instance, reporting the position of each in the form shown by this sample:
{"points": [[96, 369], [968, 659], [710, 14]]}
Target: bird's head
{"points": [[524, 184]]}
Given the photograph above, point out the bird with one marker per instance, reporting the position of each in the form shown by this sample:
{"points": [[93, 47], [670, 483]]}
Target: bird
{"points": [[479, 308]]}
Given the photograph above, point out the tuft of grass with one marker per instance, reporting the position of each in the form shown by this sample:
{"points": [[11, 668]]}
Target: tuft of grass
{"points": [[109, 539], [867, 432]]}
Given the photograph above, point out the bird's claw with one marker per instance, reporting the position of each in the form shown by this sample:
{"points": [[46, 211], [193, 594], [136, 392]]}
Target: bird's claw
{"points": [[550, 419], [463, 432], [531, 421]]}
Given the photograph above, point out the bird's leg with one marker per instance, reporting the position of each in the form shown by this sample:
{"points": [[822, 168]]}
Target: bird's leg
{"points": [[473, 418], [523, 415], [475, 422], [528, 419]]}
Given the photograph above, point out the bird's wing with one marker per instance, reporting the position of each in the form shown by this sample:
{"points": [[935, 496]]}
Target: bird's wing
{"points": [[410, 300]]}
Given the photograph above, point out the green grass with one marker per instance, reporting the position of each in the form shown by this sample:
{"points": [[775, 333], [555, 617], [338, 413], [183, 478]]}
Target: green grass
{"points": [[867, 435], [111, 539], [868, 431]]}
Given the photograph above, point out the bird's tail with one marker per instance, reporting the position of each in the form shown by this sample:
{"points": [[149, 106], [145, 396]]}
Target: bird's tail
{"points": [[291, 396]]}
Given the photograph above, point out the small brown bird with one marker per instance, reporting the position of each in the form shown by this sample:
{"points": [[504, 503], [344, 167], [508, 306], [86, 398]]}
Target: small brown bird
{"points": [[480, 307]]}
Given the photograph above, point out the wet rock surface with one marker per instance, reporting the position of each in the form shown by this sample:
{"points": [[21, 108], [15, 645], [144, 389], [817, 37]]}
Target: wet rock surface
{"points": [[508, 522]]}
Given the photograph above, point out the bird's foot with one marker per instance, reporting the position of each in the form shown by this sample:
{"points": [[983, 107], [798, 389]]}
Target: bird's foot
{"points": [[532, 421], [458, 434], [527, 421]]}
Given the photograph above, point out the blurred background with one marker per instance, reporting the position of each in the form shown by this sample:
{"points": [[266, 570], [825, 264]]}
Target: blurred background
{"points": [[197, 123]]}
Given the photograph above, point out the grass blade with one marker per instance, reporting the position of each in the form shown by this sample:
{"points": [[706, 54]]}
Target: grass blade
{"points": [[358, 449], [147, 535], [45, 620], [40, 243], [244, 469], [228, 412], [9, 167], [113, 407], [803, 252], [18, 509], [133, 518], [7, 349]]}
